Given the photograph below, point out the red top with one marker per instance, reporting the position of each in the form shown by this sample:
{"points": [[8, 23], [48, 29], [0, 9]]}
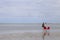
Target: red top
{"points": [[46, 28]]}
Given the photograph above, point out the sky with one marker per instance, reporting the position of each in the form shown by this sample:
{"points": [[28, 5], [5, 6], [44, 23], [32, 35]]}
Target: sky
{"points": [[29, 11]]}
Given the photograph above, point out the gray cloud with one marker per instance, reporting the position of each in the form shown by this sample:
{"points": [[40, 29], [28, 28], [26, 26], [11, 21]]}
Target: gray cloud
{"points": [[49, 9]]}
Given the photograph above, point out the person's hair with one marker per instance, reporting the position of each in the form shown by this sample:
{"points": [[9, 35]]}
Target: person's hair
{"points": [[43, 24]]}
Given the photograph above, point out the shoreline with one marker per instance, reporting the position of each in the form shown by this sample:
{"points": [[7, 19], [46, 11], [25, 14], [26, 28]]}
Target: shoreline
{"points": [[22, 31]]}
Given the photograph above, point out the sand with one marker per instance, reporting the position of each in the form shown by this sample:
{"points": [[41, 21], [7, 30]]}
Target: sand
{"points": [[29, 35], [28, 31]]}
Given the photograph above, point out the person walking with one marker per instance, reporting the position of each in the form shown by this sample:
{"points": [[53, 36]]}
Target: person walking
{"points": [[45, 30]]}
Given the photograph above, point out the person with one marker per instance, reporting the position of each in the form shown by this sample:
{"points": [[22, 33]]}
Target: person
{"points": [[45, 30]]}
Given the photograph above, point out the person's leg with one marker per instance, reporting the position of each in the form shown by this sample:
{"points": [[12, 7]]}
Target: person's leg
{"points": [[44, 35], [48, 32]]}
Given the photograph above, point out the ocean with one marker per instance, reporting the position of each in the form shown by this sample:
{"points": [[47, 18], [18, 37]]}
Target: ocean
{"points": [[23, 27], [26, 26]]}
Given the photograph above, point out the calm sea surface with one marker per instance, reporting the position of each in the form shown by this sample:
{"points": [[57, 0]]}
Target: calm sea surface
{"points": [[26, 26]]}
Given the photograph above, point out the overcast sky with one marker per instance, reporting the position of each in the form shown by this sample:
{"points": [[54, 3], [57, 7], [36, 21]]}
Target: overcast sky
{"points": [[29, 11]]}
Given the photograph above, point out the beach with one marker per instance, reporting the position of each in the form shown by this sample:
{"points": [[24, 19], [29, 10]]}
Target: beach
{"points": [[27, 34]]}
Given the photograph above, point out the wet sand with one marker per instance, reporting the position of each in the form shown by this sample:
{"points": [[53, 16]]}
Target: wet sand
{"points": [[29, 35]]}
